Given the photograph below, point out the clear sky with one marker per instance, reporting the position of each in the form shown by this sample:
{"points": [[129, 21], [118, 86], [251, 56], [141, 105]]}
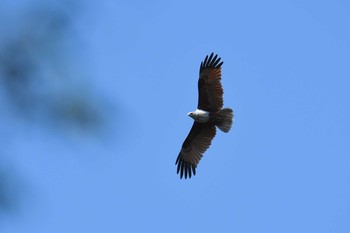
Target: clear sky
{"points": [[284, 167]]}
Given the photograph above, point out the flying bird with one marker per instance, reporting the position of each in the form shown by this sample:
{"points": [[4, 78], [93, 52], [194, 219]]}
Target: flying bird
{"points": [[208, 115]]}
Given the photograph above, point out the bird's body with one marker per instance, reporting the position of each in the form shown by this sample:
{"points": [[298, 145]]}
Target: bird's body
{"points": [[208, 115], [199, 115]]}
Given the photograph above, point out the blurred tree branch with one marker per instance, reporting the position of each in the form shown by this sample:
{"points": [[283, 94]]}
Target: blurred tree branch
{"points": [[42, 78]]}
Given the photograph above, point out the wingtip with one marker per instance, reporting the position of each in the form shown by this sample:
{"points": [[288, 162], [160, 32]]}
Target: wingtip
{"points": [[210, 58], [211, 61], [185, 169]]}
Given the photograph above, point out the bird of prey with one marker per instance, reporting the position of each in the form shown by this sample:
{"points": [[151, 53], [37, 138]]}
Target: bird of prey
{"points": [[208, 115]]}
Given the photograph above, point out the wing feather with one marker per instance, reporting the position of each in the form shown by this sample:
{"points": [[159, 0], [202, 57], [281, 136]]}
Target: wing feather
{"points": [[197, 142], [210, 97]]}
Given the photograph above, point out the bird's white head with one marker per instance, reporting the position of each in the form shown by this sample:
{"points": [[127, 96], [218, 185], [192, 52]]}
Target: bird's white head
{"points": [[191, 114]]}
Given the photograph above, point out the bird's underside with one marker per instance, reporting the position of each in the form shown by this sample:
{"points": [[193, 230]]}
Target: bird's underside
{"points": [[207, 117]]}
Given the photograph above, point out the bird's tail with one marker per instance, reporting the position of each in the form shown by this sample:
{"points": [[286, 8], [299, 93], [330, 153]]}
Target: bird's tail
{"points": [[225, 119]]}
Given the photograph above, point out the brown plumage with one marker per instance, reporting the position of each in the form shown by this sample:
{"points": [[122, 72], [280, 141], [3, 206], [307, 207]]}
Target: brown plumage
{"points": [[210, 100]]}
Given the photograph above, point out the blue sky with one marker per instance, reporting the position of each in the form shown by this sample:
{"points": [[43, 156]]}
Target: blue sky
{"points": [[284, 167]]}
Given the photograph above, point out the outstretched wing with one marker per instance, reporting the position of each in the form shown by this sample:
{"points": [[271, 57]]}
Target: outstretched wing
{"points": [[209, 84], [196, 143]]}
